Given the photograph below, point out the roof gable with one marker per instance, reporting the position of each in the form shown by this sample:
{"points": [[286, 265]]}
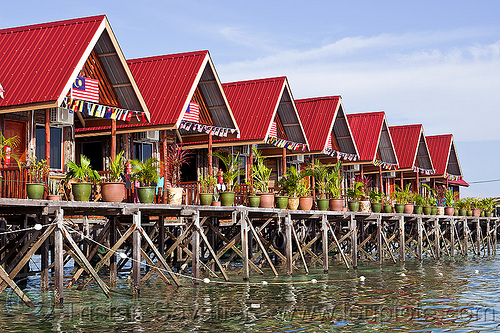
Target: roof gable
{"points": [[411, 147], [444, 156]]}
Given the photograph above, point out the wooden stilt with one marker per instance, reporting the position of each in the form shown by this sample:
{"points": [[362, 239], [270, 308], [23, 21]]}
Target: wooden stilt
{"points": [[452, 236], [113, 271], [354, 241], [58, 260], [136, 255], [288, 248], [402, 242], [161, 235], [495, 240], [299, 249], [466, 236], [195, 243], [244, 248], [5, 277], [437, 248], [324, 240], [488, 238], [337, 244], [44, 258], [259, 241], [478, 236], [380, 245]]}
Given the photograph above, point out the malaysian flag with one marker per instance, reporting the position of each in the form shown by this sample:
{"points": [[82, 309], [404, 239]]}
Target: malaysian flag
{"points": [[192, 113], [274, 130], [86, 89]]}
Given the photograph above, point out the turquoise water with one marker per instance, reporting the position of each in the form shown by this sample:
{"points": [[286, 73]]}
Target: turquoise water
{"points": [[432, 296]]}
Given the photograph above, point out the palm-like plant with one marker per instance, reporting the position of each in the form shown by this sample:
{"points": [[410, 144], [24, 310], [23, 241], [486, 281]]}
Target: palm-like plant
{"points": [[355, 192], [260, 172], [334, 181], [290, 181], [11, 143], [402, 196], [116, 167], [82, 173], [146, 172], [233, 167], [38, 170], [449, 198], [176, 158], [320, 173]]}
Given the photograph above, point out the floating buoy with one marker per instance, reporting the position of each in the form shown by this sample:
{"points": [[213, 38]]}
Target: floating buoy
{"points": [[264, 282], [476, 271], [123, 255], [38, 226], [206, 280], [403, 274], [314, 281], [440, 274], [362, 278]]}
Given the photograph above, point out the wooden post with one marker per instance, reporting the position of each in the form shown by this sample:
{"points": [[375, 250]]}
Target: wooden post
{"points": [[488, 236], [136, 255], [495, 241], [113, 139], [250, 164], [361, 171], [418, 182], [288, 249], [58, 260], [47, 136], [420, 231], [324, 228], [244, 245], [161, 235], [112, 260], [165, 164], [452, 236], [380, 245], [354, 241], [402, 241], [401, 179], [210, 172], [44, 273], [195, 259], [380, 182], [436, 238], [478, 236], [284, 162], [466, 236]]}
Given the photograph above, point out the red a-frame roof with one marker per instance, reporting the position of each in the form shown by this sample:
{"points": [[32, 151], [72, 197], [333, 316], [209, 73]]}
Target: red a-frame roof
{"points": [[444, 156], [39, 63], [411, 147]]}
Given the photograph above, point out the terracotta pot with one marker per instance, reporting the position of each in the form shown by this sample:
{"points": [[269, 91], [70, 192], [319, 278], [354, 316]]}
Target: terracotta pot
{"points": [[353, 206], [376, 207], [408, 209], [216, 203], [305, 203], [206, 199], [266, 200], [476, 212], [281, 201], [449, 211], [364, 206], [54, 197], [253, 201], [293, 203], [174, 195], [440, 211], [336, 204], [113, 192]]}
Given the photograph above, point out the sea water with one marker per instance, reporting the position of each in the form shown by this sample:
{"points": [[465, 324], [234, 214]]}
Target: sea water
{"points": [[449, 295]]}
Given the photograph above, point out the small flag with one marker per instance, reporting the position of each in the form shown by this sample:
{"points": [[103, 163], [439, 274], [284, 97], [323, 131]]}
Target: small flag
{"points": [[143, 117], [192, 113], [1, 91], [86, 89], [113, 113], [107, 115], [129, 116], [274, 130]]}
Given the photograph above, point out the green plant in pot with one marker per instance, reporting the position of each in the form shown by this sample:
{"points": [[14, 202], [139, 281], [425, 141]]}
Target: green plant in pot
{"points": [[419, 203], [38, 171], [216, 198], [449, 199], [84, 176], [461, 206], [429, 200], [376, 200], [176, 158], [353, 194], [146, 173], [402, 197], [334, 187], [304, 192], [290, 183], [364, 202], [387, 204], [253, 199], [261, 175], [321, 173], [207, 185], [113, 186], [54, 190], [232, 164], [488, 205]]}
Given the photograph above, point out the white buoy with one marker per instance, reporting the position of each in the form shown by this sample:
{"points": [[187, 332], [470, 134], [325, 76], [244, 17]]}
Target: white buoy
{"points": [[314, 281], [123, 255], [362, 278], [403, 274], [264, 283], [38, 226], [476, 271], [206, 280], [440, 274]]}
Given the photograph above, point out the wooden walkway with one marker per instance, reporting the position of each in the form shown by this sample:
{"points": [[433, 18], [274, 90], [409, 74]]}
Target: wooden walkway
{"points": [[175, 243]]}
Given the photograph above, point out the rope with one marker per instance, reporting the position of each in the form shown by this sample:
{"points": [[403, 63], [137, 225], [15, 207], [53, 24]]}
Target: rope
{"points": [[36, 227]]}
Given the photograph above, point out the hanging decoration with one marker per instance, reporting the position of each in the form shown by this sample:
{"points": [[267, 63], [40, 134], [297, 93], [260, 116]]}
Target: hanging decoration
{"points": [[452, 177], [282, 143], [102, 111], [427, 172], [340, 155], [384, 165], [2, 91], [222, 132]]}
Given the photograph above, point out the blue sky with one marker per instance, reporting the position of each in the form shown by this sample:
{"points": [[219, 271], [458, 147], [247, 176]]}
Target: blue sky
{"points": [[430, 62]]}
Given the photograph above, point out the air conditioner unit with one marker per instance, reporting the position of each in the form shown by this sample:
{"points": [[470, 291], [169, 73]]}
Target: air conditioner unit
{"points": [[352, 168], [245, 150], [61, 116], [148, 136], [297, 159], [391, 174], [425, 180]]}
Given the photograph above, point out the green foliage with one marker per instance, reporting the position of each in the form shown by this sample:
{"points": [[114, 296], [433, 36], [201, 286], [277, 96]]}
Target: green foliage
{"points": [[146, 172], [117, 167], [260, 172], [176, 158], [334, 181], [449, 198], [290, 182], [487, 204], [216, 195], [355, 192], [83, 172], [461, 204], [419, 200], [207, 183], [38, 170], [430, 197], [304, 189], [12, 143], [53, 187], [233, 167], [375, 196], [320, 173], [403, 196]]}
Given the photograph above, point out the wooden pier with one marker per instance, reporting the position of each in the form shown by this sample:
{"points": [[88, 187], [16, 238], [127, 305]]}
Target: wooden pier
{"points": [[175, 243]]}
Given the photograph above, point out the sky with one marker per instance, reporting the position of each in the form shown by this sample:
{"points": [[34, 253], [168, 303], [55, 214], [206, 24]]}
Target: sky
{"points": [[435, 63]]}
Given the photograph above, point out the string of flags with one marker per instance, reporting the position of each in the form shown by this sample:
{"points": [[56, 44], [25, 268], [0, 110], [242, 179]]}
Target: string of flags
{"points": [[200, 128], [101, 111], [427, 172], [282, 143], [340, 155], [452, 177], [385, 165]]}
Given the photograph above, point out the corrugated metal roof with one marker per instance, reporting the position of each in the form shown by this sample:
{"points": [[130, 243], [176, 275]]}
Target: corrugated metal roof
{"points": [[439, 148], [37, 61], [366, 129], [255, 104], [323, 115], [411, 147], [460, 182]]}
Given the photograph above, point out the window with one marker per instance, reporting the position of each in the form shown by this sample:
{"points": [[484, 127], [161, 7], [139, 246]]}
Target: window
{"points": [[143, 151], [56, 137]]}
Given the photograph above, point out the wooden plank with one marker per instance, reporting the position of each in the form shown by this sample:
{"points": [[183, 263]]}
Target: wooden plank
{"points": [[452, 236], [380, 245], [5, 277], [299, 249], [136, 255], [288, 247], [44, 258], [402, 254], [58, 260], [337, 244], [244, 248], [324, 240], [354, 241], [257, 238], [195, 244], [113, 268], [155, 269]]}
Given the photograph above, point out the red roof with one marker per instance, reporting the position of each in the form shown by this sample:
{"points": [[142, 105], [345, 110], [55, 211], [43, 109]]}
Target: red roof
{"points": [[317, 116], [439, 148], [254, 103], [366, 129], [38, 61], [167, 82], [406, 139], [460, 182]]}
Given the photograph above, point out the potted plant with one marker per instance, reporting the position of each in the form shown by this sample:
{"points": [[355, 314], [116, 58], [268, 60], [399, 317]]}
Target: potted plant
{"points": [[113, 186], [232, 163], [38, 171], [488, 205], [403, 199], [84, 176], [460, 205], [207, 185], [364, 203], [290, 183], [176, 158], [449, 199], [304, 192], [146, 173], [440, 194], [216, 198], [419, 203], [54, 190], [261, 175], [376, 200], [334, 187], [320, 173], [387, 204], [354, 193], [253, 199]]}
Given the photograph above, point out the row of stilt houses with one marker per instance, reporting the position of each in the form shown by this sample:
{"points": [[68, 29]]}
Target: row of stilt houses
{"points": [[143, 105]]}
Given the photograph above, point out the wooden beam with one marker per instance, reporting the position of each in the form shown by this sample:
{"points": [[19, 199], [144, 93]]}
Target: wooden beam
{"points": [[58, 260], [5, 277], [47, 136], [324, 240], [136, 255], [195, 244], [244, 248]]}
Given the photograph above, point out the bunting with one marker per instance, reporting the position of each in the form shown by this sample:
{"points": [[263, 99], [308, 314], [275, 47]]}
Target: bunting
{"points": [[384, 165], [101, 111], [340, 155], [452, 177], [427, 172], [222, 132], [282, 143]]}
